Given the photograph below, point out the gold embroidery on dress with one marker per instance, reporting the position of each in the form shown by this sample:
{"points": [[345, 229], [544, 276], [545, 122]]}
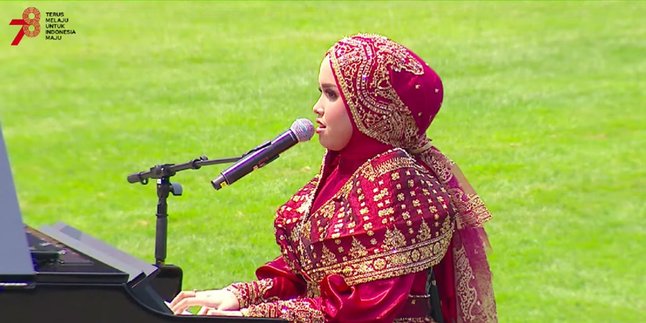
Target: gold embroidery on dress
{"points": [[327, 257], [393, 239], [328, 209], [440, 168], [414, 320], [296, 310], [313, 289], [466, 294], [252, 292], [304, 206], [387, 264], [384, 212], [294, 236], [472, 204], [471, 208], [367, 170], [424, 231], [380, 195], [357, 250], [473, 307], [371, 172]]}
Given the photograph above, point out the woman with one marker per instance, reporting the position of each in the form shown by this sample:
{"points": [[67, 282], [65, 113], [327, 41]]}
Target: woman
{"points": [[389, 230]]}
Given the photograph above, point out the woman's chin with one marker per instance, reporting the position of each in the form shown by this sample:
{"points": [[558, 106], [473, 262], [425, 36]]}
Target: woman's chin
{"points": [[325, 143], [322, 142]]}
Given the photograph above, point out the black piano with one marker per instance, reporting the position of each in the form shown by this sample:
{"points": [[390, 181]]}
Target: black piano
{"points": [[60, 274]]}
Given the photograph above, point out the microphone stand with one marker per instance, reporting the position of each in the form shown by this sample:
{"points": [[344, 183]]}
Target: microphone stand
{"points": [[168, 281], [163, 173]]}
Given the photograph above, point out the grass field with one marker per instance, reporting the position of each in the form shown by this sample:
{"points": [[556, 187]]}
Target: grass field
{"points": [[544, 111]]}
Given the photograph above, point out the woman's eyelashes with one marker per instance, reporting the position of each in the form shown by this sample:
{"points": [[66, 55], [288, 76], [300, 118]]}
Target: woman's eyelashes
{"points": [[329, 93]]}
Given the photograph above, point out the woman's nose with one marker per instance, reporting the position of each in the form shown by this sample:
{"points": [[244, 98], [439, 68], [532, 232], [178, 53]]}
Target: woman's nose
{"points": [[317, 109]]}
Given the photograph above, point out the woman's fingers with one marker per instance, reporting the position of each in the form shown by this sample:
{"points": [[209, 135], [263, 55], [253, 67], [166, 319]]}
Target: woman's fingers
{"points": [[208, 300], [188, 302], [181, 296], [203, 299]]}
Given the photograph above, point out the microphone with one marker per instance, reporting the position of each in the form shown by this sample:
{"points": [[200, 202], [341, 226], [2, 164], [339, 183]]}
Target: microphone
{"points": [[301, 130]]}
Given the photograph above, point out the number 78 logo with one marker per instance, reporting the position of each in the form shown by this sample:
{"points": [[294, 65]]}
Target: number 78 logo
{"points": [[30, 18]]}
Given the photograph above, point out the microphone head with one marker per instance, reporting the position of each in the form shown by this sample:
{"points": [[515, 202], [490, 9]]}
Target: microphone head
{"points": [[303, 129]]}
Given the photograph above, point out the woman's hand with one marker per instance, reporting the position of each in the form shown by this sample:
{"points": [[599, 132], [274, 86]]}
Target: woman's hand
{"points": [[212, 300]]}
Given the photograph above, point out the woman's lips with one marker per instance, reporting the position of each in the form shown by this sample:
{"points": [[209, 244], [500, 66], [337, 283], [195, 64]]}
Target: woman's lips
{"points": [[321, 126]]}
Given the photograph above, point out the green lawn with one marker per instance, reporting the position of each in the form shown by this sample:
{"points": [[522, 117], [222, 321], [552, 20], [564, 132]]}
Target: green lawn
{"points": [[544, 111]]}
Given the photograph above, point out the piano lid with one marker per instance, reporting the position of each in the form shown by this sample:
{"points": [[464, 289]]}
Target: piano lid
{"points": [[16, 268]]}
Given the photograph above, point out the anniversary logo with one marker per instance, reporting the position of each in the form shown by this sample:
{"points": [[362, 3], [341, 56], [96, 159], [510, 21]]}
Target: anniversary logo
{"points": [[55, 26]]}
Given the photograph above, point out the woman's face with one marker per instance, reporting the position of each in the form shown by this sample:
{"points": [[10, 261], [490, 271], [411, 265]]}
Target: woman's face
{"points": [[334, 125]]}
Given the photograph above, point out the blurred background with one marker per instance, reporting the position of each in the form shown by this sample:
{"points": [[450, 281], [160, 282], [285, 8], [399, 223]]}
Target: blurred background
{"points": [[543, 110]]}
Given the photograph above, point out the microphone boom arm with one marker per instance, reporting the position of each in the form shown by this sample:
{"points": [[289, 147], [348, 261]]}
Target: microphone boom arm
{"points": [[168, 170]]}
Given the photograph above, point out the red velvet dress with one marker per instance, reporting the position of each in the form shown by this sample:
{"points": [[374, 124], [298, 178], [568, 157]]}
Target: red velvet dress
{"points": [[357, 244]]}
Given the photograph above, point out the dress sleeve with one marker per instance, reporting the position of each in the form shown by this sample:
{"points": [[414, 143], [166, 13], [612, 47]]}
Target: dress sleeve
{"points": [[276, 281], [375, 301]]}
